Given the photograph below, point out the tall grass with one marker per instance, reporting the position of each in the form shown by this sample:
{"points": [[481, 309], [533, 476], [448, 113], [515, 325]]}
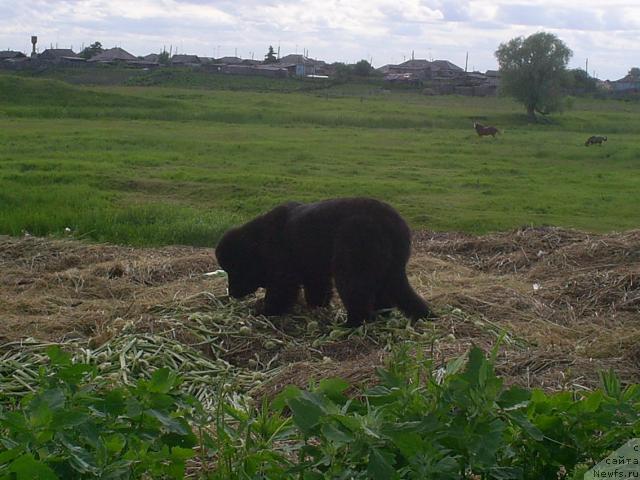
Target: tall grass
{"points": [[147, 165]]}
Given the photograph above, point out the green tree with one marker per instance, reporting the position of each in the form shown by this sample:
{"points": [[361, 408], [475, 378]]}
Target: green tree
{"points": [[92, 50], [343, 71], [270, 57], [581, 82], [163, 58], [533, 71], [634, 72], [362, 69]]}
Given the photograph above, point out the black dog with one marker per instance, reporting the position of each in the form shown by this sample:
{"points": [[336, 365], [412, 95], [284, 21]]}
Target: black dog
{"points": [[361, 243]]}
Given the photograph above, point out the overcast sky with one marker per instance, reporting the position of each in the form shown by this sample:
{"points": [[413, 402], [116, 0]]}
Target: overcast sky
{"points": [[386, 31]]}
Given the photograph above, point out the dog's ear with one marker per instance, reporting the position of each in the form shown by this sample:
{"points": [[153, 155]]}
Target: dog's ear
{"points": [[273, 224]]}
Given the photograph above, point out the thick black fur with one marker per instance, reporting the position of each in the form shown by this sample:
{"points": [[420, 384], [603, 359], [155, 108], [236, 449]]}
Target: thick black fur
{"points": [[361, 244]]}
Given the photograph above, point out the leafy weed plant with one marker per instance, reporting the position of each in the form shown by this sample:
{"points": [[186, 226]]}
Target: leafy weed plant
{"points": [[419, 422]]}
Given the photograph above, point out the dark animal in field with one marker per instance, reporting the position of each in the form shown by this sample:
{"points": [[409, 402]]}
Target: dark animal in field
{"points": [[481, 130], [360, 244], [592, 140]]}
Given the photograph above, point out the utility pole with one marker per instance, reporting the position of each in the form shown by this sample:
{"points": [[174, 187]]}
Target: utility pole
{"points": [[586, 66], [466, 62]]}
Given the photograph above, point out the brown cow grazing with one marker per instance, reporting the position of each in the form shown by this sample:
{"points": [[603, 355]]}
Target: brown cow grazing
{"points": [[594, 139], [482, 130]]}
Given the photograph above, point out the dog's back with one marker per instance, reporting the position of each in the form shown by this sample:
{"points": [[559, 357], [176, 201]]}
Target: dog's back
{"points": [[594, 139]]}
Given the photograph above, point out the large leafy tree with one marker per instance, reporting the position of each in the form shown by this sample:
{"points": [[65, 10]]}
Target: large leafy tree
{"points": [[92, 50], [533, 71], [362, 69], [580, 82]]}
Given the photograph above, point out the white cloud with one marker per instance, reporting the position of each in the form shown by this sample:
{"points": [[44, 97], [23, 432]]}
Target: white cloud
{"points": [[343, 30]]}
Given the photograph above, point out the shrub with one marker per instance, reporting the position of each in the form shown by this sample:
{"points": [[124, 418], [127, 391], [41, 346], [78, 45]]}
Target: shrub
{"points": [[419, 422], [76, 427]]}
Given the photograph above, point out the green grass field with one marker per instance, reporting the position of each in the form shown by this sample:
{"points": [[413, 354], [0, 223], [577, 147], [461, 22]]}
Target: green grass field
{"points": [[149, 165]]}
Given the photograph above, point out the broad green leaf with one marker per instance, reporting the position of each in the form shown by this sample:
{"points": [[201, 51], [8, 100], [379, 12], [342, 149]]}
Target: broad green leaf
{"points": [[80, 459], [163, 380], [592, 402], [174, 470], [16, 422], [410, 444], [474, 366], [515, 397], [73, 374], [520, 419], [113, 402], [177, 440], [280, 400], [58, 356], [485, 441], [380, 465], [333, 388], [179, 453], [306, 415], [447, 465], [9, 455], [68, 419], [53, 399], [172, 424], [133, 408], [335, 434], [454, 366], [115, 443], [350, 422], [118, 470], [27, 467]]}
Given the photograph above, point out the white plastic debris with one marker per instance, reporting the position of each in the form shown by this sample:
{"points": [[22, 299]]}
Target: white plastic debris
{"points": [[536, 287], [216, 273]]}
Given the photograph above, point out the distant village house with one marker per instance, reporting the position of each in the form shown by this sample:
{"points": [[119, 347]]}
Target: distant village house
{"points": [[11, 55], [629, 84], [113, 55], [60, 55], [441, 77], [186, 60]]}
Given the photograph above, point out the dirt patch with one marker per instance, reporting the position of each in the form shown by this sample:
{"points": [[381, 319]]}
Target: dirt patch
{"points": [[566, 304]]}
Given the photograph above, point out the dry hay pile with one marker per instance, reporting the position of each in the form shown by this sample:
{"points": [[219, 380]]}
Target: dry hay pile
{"points": [[565, 303], [575, 296]]}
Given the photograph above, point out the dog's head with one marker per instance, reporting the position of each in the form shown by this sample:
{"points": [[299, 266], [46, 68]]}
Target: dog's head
{"points": [[238, 254]]}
